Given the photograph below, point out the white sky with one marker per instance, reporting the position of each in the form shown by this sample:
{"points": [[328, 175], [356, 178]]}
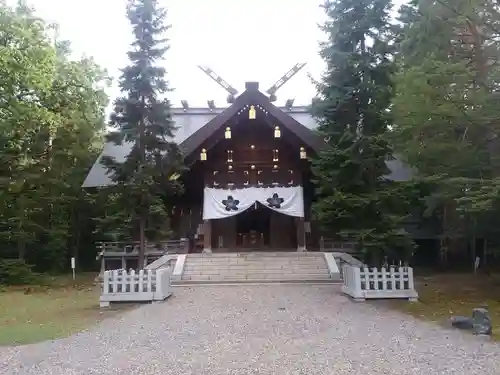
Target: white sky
{"points": [[241, 40]]}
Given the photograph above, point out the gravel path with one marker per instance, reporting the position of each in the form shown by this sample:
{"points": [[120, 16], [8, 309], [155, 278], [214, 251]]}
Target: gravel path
{"points": [[258, 330]]}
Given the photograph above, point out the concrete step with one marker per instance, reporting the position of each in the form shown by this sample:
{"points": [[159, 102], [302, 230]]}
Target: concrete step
{"points": [[260, 254], [253, 282], [269, 259], [189, 265], [255, 267], [255, 277], [255, 262], [284, 271], [263, 272]]}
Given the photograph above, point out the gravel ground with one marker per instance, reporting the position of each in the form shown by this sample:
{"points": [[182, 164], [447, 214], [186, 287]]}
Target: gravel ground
{"points": [[258, 330]]}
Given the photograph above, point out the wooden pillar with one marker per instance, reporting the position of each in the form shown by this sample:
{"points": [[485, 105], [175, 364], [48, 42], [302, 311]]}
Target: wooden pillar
{"points": [[186, 248], [301, 234], [207, 236]]}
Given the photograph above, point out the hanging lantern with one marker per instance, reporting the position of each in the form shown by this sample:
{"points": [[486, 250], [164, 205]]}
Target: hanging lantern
{"points": [[227, 133], [229, 156], [230, 167], [303, 154], [203, 154], [174, 176], [277, 132], [252, 114], [252, 167], [275, 155]]}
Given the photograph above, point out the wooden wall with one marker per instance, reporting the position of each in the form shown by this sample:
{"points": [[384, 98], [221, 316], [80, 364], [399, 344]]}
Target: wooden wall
{"points": [[253, 157]]}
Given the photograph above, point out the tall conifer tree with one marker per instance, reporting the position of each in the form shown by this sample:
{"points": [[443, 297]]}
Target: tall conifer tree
{"points": [[446, 110], [142, 119], [355, 199]]}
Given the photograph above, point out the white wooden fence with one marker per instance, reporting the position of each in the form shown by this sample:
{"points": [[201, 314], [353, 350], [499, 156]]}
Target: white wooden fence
{"points": [[369, 283], [131, 286]]}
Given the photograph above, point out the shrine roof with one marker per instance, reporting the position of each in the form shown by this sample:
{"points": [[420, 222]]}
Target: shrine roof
{"points": [[195, 125]]}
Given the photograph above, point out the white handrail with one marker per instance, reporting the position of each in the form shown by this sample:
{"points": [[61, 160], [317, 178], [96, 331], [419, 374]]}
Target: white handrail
{"points": [[370, 283], [131, 286]]}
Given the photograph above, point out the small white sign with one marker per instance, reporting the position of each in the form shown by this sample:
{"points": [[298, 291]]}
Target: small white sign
{"points": [[73, 264], [477, 262]]}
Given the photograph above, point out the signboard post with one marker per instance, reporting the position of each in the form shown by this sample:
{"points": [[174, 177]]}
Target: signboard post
{"points": [[477, 261], [73, 266]]}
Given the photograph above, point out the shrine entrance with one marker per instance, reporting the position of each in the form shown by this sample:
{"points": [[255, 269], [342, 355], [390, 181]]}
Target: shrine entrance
{"points": [[253, 227], [256, 229]]}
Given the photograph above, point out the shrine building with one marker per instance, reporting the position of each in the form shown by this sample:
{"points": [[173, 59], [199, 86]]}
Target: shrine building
{"points": [[248, 186]]}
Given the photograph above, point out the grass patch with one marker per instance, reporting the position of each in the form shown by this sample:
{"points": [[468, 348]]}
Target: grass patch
{"points": [[441, 296], [57, 308]]}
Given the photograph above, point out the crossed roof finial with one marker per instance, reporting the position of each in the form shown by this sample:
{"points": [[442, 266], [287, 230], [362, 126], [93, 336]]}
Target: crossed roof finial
{"points": [[271, 91]]}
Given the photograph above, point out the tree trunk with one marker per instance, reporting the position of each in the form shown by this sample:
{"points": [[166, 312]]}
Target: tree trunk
{"points": [[474, 252], [142, 242], [21, 243], [76, 249], [142, 219]]}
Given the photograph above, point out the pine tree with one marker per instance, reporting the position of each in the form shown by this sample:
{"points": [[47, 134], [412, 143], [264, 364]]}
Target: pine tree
{"points": [[142, 117], [446, 110], [443, 106], [354, 197]]}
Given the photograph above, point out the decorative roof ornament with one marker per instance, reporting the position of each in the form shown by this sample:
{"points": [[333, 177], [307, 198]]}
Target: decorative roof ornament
{"points": [[286, 77], [221, 82]]}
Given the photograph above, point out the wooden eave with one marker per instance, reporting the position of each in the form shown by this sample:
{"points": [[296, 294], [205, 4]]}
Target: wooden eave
{"points": [[251, 97]]}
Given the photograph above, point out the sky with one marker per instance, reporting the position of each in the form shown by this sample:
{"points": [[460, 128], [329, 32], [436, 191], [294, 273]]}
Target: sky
{"points": [[243, 40]]}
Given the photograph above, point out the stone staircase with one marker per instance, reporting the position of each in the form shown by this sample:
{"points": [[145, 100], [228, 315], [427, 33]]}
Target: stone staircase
{"points": [[257, 267]]}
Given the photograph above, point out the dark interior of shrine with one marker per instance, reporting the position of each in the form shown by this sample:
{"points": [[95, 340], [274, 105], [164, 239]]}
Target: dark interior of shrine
{"points": [[257, 219]]}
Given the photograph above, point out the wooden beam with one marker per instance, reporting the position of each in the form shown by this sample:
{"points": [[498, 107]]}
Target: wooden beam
{"points": [[207, 236], [301, 234]]}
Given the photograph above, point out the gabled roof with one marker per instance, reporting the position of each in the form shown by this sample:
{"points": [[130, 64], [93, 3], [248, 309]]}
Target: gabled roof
{"points": [[196, 125], [252, 96]]}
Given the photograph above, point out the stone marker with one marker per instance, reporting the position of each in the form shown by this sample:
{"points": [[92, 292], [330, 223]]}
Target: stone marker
{"points": [[481, 321], [462, 322]]}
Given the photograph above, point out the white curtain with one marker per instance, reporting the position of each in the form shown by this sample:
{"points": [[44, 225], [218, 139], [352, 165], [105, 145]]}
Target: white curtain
{"points": [[221, 203]]}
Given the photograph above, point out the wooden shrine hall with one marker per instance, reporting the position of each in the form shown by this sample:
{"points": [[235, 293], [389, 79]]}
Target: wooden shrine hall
{"points": [[248, 186], [250, 177]]}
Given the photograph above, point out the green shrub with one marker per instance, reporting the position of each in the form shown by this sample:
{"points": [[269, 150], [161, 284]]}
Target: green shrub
{"points": [[16, 272]]}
